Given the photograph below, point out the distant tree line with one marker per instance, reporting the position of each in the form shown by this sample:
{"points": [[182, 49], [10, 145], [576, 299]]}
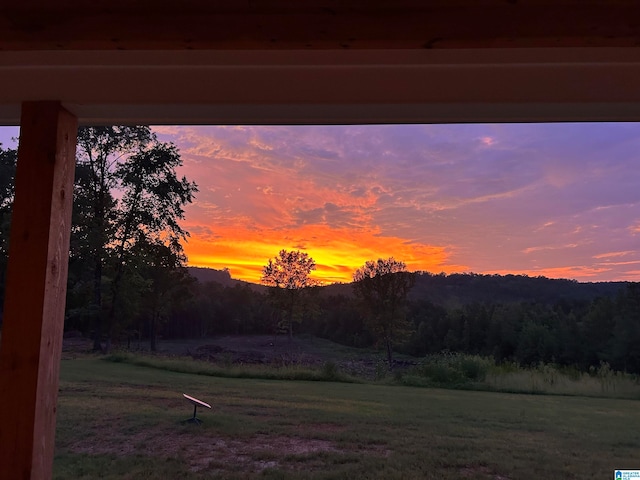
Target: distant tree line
{"points": [[570, 333], [575, 329]]}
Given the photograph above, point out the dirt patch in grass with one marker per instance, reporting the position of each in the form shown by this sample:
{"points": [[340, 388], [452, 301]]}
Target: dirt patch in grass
{"points": [[267, 350], [204, 452], [325, 427], [257, 349], [251, 454], [474, 471]]}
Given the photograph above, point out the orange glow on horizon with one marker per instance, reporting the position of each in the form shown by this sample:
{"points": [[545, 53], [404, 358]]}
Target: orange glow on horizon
{"points": [[337, 252], [453, 199]]}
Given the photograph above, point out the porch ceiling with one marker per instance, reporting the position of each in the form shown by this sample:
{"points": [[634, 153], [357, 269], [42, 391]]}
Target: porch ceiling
{"points": [[288, 61]]}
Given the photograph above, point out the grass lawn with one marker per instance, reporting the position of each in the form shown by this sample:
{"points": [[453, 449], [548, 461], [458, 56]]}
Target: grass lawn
{"points": [[123, 421]]}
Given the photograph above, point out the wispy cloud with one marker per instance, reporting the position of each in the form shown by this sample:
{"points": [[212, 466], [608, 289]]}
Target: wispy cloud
{"points": [[544, 199], [614, 254], [549, 247], [611, 264]]}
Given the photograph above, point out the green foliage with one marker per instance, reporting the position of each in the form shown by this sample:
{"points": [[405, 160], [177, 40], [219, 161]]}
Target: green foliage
{"points": [[577, 335], [454, 370], [553, 379], [215, 309], [339, 320], [624, 345], [330, 371], [606, 376], [168, 283], [382, 287], [381, 370]]}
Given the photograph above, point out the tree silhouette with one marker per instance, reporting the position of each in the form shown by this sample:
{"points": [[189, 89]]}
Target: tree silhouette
{"points": [[382, 287], [7, 173], [288, 276], [167, 283], [127, 192]]}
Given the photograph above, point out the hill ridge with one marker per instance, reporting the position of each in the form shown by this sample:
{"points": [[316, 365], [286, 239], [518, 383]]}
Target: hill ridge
{"points": [[459, 289]]}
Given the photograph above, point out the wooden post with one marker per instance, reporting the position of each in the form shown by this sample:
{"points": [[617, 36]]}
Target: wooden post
{"points": [[36, 286]]}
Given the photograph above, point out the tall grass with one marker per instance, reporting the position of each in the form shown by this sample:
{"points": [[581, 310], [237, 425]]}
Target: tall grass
{"points": [[329, 372], [446, 370], [452, 370], [551, 379]]}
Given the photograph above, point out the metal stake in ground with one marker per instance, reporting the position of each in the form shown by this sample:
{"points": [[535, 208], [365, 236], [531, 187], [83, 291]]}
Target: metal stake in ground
{"points": [[196, 403]]}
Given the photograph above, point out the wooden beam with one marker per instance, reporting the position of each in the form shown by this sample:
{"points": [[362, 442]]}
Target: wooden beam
{"points": [[316, 24], [327, 87], [35, 290]]}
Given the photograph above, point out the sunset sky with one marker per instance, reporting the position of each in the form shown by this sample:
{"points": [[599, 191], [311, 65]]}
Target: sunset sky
{"points": [[559, 200]]}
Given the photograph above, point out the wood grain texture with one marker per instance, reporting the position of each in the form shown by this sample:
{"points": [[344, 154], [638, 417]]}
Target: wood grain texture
{"points": [[282, 25], [35, 290]]}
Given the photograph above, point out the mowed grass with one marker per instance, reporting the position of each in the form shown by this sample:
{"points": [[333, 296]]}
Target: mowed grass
{"points": [[123, 421]]}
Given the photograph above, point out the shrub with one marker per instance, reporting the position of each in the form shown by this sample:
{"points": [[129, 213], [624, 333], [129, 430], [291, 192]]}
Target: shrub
{"points": [[330, 371], [474, 367], [382, 368], [454, 369]]}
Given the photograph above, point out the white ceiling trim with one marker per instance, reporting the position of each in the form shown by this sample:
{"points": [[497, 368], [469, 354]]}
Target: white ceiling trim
{"points": [[327, 87]]}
